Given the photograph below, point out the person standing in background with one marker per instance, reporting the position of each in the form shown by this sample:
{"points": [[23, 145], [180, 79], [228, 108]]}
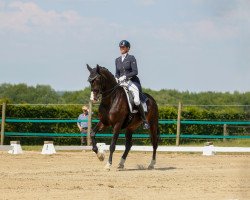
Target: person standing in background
{"points": [[83, 126]]}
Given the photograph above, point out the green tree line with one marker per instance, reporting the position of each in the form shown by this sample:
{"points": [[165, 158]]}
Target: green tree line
{"points": [[45, 94]]}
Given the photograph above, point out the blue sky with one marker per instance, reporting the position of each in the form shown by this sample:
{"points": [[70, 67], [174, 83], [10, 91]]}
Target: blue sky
{"points": [[195, 45]]}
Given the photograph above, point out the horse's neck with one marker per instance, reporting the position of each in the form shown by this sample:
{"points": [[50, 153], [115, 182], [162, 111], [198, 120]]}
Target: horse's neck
{"points": [[110, 93]]}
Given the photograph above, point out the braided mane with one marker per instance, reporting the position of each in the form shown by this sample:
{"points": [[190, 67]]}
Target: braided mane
{"points": [[106, 72]]}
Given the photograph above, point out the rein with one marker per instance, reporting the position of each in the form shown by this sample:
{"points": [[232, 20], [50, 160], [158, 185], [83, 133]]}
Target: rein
{"points": [[110, 91]]}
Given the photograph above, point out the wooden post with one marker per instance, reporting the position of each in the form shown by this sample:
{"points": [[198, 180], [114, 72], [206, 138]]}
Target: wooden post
{"points": [[178, 131], [3, 123], [89, 123], [225, 133]]}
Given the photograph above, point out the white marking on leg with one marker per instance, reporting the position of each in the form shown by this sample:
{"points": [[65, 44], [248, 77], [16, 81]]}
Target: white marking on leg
{"points": [[101, 156], [152, 164], [107, 166], [121, 164]]}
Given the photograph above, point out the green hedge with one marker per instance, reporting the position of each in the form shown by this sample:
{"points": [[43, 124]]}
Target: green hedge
{"points": [[72, 112]]}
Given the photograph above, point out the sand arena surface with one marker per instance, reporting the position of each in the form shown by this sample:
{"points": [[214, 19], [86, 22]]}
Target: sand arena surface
{"points": [[80, 175]]}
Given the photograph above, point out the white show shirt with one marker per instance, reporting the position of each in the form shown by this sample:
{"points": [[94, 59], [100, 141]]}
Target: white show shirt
{"points": [[123, 56]]}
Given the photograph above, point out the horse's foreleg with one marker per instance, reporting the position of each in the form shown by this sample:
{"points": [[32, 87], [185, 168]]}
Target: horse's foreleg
{"points": [[128, 146], [116, 131], [97, 128], [92, 136]]}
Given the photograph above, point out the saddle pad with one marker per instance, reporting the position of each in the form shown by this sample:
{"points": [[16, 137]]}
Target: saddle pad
{"points": [[130, 104]]}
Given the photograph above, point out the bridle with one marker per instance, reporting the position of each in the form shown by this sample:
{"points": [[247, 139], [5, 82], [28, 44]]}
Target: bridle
{"points": [[102, 92]]}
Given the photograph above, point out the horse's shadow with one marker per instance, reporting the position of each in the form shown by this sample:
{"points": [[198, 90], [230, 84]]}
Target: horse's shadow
{"points": [[141, 167]]}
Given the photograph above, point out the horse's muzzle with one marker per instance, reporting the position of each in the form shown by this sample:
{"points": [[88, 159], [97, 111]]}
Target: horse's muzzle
{"points": [[96, 95]]}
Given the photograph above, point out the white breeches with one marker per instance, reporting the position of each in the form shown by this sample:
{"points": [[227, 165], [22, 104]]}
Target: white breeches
{"points": [[133, 88]]}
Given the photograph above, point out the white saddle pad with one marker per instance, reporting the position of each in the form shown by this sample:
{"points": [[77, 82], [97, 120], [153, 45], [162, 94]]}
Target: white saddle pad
{"points": [[144, 105]]}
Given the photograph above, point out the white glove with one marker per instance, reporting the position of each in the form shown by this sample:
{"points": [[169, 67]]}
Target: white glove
{"points": [[117, 80], [123, 84], [122, 78]]}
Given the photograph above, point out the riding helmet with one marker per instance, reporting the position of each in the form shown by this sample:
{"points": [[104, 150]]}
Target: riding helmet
{"points": [[124, 43]]}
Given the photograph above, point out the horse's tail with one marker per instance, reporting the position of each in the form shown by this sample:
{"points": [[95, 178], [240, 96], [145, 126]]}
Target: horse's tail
{"points": [[155, 116]]}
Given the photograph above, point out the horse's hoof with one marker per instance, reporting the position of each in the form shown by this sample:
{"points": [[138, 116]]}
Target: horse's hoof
{"points": [[107, 166], [101, 156], [152, 165], [121, 164], [120, 167]]}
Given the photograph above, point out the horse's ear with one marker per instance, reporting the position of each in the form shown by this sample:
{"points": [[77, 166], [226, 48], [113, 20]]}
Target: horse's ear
{"points": [[98, 69], [89, 68]]}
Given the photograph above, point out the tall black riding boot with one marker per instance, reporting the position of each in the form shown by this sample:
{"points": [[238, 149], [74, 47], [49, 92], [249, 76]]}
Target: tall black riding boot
{"points": [[142, 113]]}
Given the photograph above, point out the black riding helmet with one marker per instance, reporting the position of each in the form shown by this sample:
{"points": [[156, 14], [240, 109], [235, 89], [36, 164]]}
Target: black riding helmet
{"points": [[124, 43]]}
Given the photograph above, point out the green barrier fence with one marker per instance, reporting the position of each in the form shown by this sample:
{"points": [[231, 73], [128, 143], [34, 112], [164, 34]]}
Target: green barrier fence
{"points": [[201, 122], [68, 121], [137, 135]]}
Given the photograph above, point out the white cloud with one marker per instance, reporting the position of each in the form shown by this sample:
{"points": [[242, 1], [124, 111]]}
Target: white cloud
{"points": [[21, 17], [27, 17], [24, 17]]}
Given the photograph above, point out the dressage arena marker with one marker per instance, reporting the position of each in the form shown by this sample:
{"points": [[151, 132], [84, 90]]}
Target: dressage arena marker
{"points": [[208, 149], [15, 148], [48, 148], [101, 147]]}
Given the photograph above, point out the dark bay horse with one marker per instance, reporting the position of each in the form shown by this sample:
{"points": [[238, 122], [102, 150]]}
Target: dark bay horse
{"points": [[114, 111]]}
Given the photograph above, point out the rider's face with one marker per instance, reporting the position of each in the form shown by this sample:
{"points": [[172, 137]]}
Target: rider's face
{"points": [[124, 49]]}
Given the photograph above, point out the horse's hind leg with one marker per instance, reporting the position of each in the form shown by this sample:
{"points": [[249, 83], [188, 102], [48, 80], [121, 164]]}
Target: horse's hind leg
{"points": [[128, 146], [154, 140]]}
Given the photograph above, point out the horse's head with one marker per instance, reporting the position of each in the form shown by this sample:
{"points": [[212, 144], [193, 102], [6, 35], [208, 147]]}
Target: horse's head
{"points": [[95, 80], [102, 81]]}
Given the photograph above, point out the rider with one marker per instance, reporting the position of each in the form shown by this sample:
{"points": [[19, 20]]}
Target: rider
{"points": [[126, 69]]}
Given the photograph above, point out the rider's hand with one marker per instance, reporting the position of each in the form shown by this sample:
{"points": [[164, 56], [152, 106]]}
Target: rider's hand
{"points": [[122, 78], [117, 80]]}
